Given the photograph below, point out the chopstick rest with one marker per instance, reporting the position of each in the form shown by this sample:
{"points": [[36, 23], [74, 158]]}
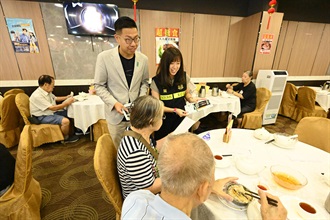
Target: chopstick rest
{"points": [[272, 202]]}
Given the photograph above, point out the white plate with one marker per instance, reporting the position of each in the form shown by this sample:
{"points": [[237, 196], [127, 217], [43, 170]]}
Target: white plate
{"points": [[232, 205], [290, 203], [283, 146]]}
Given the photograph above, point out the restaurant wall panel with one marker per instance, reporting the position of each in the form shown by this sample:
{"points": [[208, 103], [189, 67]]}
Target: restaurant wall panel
{"points": [[280, 45], [31, 65], [304, 50], [322, 59], [8, 65], [265, 60], [288, 40], [251, 27], [149, 20], [209, 45]]}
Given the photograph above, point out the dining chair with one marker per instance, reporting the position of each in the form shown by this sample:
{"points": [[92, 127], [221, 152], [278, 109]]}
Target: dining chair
{"points": [[305, 105], [1, 98], [105, 166], [100, 128], [13, 91], [253, 120], [23, 198], [41, 133], [288, 103], [314, 131], [10, 126]]}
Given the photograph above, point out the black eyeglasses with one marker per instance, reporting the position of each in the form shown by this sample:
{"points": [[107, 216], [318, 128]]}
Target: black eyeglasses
{"points": [[129, 40]]}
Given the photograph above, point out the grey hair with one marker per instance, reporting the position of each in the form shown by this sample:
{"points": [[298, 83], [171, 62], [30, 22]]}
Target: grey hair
{"points": [[146, 110], [249, 73], [185, 162]]}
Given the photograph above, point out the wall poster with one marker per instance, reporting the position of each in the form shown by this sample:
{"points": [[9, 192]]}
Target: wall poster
{"points": [[22, 35], [266, 43], [165, 38]]}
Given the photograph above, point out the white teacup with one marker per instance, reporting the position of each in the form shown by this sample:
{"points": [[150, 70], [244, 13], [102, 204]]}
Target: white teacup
{"points": [[306, 210]]}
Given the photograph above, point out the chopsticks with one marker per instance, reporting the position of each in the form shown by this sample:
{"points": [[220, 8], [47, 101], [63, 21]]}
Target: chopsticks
{"points": [[272, 202], [269, 141]]}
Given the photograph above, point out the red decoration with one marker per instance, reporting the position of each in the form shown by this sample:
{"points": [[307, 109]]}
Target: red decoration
{"points": [[134, 7], [272, 3]]}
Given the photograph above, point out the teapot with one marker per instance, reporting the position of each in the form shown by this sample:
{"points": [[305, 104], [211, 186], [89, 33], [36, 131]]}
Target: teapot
{"points": [[326, 85]]}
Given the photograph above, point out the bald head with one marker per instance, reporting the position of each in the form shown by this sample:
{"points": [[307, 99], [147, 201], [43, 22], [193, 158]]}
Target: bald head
{"points": [[184, 163]]}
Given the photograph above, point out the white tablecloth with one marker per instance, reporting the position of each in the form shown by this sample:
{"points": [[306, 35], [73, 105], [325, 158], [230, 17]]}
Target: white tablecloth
{"points": [[308, 160], [88, 112], [218, 104]]}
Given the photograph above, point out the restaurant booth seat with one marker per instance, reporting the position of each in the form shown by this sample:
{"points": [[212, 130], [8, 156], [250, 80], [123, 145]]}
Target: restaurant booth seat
{"points": [[305, 105], [10, 125], [41, 133], [23, 198], [288, 103], [105, 166], [100, 128], [314, 131], [253, 120]]}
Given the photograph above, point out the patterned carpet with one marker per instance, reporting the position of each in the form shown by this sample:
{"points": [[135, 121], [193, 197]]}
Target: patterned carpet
{"points": [[70, 188]]}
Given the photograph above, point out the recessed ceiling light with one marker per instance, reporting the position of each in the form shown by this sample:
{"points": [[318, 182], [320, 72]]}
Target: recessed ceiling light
{"points": [[58, 5]]}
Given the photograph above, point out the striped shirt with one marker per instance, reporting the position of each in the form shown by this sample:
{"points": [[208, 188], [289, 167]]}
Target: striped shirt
{"points": [[135, 165]]}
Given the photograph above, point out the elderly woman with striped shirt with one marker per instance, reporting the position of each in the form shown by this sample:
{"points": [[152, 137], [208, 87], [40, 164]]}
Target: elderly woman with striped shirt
{"points": [[137, 154]]}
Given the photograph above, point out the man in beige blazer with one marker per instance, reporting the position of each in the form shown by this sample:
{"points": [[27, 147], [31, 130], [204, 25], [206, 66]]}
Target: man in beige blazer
{"points": [[121, 75]]}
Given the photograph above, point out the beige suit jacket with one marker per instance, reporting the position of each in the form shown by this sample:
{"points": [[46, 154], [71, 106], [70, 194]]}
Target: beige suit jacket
{"points": [[111, 85]]}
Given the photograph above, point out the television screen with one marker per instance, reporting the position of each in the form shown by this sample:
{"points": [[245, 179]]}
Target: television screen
{"points": [[90, 19]]}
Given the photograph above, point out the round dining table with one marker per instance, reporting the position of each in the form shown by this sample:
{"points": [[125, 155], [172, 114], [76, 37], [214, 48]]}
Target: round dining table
{"points": [[308, 160]]}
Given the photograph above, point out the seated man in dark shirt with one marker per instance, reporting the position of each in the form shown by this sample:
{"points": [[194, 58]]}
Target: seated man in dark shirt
{"points": [[7, 169]]}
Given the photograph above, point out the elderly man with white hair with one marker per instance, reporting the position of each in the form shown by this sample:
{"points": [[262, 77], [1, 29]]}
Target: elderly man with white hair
{"points": [[186, 167]]}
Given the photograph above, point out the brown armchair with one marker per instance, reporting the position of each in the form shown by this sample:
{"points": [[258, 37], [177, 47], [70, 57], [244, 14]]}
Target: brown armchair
{"points": [[23, 198], [288, 103], [305, 106], [105, 165], [314, 131], [253, 120], [10, 126], [100, 128], [42, 133], [13, 92]]}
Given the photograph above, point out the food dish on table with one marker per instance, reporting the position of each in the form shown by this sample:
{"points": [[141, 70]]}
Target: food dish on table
{"points": [[238, 192], [287, 177]]}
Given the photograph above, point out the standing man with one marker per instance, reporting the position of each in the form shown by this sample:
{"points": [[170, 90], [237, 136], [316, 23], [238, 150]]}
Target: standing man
{"points": [[43, 106], [121, 75]]}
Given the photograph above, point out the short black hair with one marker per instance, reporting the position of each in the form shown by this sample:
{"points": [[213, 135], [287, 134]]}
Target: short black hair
{"points": [[45, 79], [124, 22], [24, 29]]}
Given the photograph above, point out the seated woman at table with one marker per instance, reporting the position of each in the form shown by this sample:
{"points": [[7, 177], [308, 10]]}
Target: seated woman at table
{"points": [[137, 156], [170, 85], [246, 91]]}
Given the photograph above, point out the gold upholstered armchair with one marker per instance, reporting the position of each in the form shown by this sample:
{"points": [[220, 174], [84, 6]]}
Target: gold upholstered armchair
{"points": [[41, 133], [305, 105], [105, 165], [13, 92], [100, 128], [314, 131], [253, 120], [288, 103], [10, 126], [23, 198]]}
